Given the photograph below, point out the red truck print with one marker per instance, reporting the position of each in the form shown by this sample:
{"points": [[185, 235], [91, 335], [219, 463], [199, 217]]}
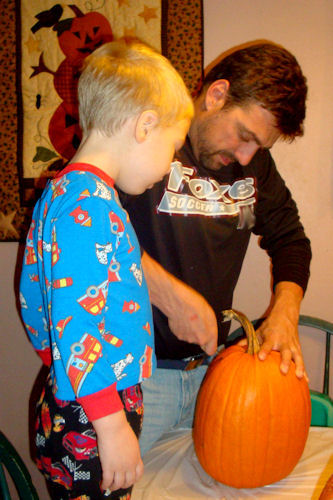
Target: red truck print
{"points": [[95, 298], [84, 355]]}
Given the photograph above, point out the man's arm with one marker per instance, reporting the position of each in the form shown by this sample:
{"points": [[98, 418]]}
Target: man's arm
{"points": [[283, 237], [190, 316], [192, 319], [279, 332]]}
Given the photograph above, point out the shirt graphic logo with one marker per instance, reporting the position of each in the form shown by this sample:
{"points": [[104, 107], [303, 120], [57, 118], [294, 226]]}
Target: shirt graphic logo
{"points": [[188, 194]]}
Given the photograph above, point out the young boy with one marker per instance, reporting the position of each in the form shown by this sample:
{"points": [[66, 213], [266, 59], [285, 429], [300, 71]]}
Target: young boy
{"points": [[83, 295]]}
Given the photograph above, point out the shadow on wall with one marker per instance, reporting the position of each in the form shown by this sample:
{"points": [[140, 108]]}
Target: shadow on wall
{"points": [[43, 373]]}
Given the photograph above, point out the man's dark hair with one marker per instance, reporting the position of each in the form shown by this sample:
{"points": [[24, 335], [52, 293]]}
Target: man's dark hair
{"points": [[268, 75]]}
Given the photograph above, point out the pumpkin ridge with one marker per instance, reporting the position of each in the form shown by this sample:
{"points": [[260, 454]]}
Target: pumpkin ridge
{"points": [[205, 445], [268, 475], [302, 399], [263, 417], [231, 414], [292, 424], [248, 441], [239, 429], [234, 360]]}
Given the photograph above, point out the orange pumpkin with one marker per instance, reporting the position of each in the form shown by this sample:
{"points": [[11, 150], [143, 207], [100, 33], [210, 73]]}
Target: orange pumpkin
{"points": [[251, 422]]}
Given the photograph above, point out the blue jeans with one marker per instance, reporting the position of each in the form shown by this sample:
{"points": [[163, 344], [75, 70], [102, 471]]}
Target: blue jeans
{"points": [[169, 398]]}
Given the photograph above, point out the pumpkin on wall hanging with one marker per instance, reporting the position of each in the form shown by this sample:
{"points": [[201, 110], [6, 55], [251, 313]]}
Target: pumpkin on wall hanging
{"points": [[251, 421], [55, 40]]}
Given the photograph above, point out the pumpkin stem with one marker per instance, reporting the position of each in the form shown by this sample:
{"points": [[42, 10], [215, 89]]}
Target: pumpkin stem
{"points": [[252, 339], [76, 11]]}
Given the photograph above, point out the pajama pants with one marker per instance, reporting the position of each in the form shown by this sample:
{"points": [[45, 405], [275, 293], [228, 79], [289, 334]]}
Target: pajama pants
{"points": [[66, 445]]}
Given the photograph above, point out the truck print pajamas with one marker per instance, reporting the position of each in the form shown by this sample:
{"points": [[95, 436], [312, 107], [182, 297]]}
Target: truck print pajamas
{"points": [[86, 310]]}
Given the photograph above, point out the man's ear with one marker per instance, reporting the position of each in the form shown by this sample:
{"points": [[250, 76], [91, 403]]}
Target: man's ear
{"points": [[216, 95], [145, 123]]}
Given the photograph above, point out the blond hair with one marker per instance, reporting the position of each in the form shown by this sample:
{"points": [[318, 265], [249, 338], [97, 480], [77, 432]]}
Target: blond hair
{"points": [[123, 78]]}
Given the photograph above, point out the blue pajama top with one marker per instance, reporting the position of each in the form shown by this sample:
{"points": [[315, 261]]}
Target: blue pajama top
{"points": [[84, 299]]}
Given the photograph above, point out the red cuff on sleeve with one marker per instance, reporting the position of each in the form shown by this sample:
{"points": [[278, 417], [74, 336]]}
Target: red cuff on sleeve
{"points": [[101, 403], [45, 355]]}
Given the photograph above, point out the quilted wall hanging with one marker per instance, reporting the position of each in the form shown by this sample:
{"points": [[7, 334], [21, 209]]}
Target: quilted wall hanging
{"points": [[42, 46]]}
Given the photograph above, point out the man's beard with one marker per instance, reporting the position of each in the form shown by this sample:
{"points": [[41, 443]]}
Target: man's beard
{"points": [[213, 160], [208, 156]]}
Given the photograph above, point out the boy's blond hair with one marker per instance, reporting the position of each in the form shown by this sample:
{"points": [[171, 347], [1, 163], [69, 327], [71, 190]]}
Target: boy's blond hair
{"points": [[121, 79]]}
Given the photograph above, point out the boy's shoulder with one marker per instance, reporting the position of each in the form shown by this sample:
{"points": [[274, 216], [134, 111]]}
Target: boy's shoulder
{"points": [[83, 184]]}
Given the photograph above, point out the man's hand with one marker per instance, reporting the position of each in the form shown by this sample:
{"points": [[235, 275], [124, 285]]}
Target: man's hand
{"points": [[279, 332], [192, 319], [190, 316], [119, 452]]}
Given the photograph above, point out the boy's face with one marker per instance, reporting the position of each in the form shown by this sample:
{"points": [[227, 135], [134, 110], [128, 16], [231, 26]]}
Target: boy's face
{"points": [[153, 157]]}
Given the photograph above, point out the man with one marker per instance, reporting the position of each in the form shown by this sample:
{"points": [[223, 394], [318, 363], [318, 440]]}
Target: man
{"points": [[195, 226]]}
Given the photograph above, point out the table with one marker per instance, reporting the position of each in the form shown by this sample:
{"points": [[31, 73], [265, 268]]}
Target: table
{"points": [[172, 472]]}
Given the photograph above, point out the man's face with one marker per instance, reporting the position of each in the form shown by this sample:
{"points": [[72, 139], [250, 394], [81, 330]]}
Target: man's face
{"points": [[220, 137]]}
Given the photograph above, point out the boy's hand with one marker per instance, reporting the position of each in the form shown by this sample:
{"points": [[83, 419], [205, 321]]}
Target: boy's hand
{"points": [[119, 452]]}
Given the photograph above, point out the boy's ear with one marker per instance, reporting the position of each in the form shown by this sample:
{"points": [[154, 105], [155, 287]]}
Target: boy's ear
{"points": [[216, 95], [146, 122]]}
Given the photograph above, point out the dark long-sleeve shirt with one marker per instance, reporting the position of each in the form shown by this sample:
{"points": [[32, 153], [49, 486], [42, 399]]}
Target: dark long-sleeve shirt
{"points": [[197, 224]]}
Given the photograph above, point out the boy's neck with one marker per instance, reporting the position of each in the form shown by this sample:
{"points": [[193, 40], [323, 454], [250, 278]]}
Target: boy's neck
{"points": [[100, 151]]}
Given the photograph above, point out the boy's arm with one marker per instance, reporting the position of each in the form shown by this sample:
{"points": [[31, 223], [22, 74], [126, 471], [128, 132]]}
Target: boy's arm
{"points": [[118, 450]]}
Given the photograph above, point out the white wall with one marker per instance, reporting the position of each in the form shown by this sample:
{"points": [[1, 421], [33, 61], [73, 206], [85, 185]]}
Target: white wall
{"points": [[305, 28], [19, 367]]}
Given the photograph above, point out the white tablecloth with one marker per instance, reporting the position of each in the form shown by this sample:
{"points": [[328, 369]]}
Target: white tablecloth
{"points": [[172, 471]]}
